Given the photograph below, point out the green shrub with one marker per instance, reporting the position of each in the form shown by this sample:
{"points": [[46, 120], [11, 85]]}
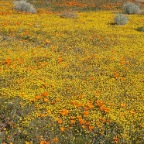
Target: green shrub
{"points": [[69, 14], [121, 19], [23, 5], [131, 8], [142, 29], [12, 114]]}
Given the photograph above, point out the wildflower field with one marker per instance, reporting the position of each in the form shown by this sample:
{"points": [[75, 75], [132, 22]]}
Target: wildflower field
{"points": [[70, 80]]}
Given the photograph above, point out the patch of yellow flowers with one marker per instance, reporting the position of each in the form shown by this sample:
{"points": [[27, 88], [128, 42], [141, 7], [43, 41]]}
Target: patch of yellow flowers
{"points": [[74, 60]]}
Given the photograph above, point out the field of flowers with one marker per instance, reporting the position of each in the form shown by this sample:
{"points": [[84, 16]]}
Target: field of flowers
{"points": [[70, 81]]}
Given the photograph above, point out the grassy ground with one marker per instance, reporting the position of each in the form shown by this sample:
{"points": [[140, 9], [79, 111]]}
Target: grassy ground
{"points": [[83, 74]]}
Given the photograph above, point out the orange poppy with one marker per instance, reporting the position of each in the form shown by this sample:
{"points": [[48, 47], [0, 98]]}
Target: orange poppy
{"points": [[115, 139], [45, 100], [86, 108], [86, 113], [64, 112], [44, 142], [55, 140], [132, 112], [59, 121], [81, 96], [45, 94], [62, 129], [38, 97], [8, 61], [73, 102], [72, 121], [60, 59], [90, 105], [47, 41], [87, 123], [81, 121], [116, 75], [57, 99], [102, 108], [83, 126], [123, 105], [107, 110], [42, 115], [78, 105], [91, 128], [99, 103]]}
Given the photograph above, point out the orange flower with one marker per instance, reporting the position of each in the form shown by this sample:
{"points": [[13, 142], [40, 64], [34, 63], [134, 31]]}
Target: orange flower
{"points": [[87, 123], [86, 108], [116, 75], [44, 142], [55, 140], [73, 102], [115, 139], [45, 100], [59, 121], [132, 112], [107, 110], [81, 96], [102, 108], [90, 105], [45, 94], [123, 105], [83, 126], [60, 59], [122, 62], [57, 99], [48, 111], [42, 115], [72, 121], [78, 104], [47, 41], [96, 93], [62, 129], [64, 112], [86, 113], [81, 121], [99, 103], [92, 78], [38, 97], [91, 128], [7, 61]]}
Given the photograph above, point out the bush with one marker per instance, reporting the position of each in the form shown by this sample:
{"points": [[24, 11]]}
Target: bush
{"points": [[131, 8], [121, 19], [23, 5], [142, 29], [69, 14], [12, 114]]}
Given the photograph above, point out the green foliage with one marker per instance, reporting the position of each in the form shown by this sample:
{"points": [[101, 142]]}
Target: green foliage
{"points": [[12, 113], [23, 5], [142, 29], [131, 8], [69, 14], [121, 19]]}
